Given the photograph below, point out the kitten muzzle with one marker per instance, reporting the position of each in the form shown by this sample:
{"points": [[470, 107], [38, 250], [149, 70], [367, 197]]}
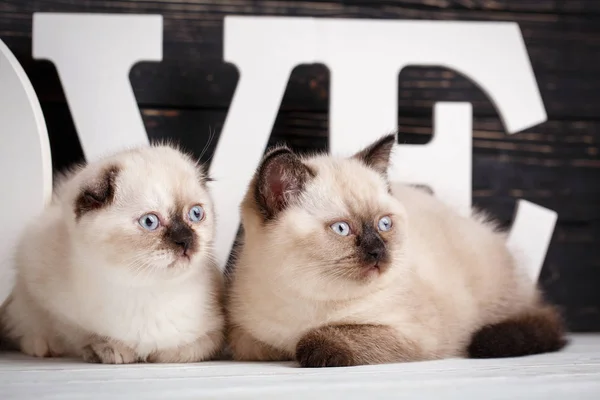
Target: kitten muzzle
{"points": [[182, 238], [373, 252]]}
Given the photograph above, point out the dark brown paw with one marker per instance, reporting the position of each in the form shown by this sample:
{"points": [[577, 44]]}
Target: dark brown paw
{"points": [[535, 333], [316, 351]]}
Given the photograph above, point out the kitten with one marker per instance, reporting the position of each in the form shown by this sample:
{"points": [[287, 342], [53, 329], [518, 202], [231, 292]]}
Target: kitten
{"points": [[119, 268], [338, 268]]}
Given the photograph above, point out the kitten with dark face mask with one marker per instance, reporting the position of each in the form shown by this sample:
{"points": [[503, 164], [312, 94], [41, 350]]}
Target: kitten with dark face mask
{"points": [[119, 267], [340, 268]]}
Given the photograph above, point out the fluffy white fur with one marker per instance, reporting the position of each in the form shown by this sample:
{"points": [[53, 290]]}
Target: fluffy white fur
{"points": [[102, 287]]}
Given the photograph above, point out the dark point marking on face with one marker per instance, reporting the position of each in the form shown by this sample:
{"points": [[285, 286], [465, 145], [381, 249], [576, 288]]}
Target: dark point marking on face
{"points": [[280, 178], [179, 236], [377, 154], [371, 246], [538, 331], [97, 194]]}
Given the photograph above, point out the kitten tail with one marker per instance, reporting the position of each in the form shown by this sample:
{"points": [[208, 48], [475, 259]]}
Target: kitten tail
{"points": [[541, 330], [5, 342], [3, 338]]}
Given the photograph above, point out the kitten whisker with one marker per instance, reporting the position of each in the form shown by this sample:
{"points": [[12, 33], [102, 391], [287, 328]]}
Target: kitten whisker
{"points": [[328, 263], [211, 136]]}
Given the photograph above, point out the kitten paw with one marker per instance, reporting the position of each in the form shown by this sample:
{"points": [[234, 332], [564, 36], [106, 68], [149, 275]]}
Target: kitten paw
{"points": [[314, 351], [108, 353], [204, 348], [245, 347], [35, 346]]}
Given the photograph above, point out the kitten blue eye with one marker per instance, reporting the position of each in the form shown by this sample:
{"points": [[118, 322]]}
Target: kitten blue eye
{"points": [[385, 224], [149, 221], [196, 214], [341, 228]]}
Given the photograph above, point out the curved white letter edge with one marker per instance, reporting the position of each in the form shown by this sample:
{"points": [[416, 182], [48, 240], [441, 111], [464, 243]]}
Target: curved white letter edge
{"points": [[25, 160]]}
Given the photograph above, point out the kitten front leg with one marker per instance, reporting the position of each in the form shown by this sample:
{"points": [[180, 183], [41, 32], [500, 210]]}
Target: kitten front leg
{"points": [[24, 327], [35, 346], [41, 346], [247, 348], [348, 345], [203, 348], [107, 351]]}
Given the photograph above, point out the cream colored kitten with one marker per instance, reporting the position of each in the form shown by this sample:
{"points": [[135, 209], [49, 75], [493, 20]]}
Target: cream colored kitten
{"points": [[119, 268], [339, 269]]}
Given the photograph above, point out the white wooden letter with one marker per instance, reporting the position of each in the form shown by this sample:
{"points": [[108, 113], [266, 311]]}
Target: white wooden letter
{"points": [[265, 55], [365, 57], [25, 161], [445, 164], [93, 54]]}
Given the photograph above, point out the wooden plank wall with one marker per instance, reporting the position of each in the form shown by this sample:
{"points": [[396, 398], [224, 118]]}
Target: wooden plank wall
{"points": [[555, 164]]}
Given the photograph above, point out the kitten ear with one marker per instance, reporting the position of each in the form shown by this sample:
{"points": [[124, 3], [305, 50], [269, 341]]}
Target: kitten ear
{"points": [[377, 155], [98, 193], [281, 177]]}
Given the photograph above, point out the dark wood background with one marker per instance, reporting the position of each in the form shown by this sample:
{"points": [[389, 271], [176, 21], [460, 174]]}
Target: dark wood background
{"points": [[555, 164]]}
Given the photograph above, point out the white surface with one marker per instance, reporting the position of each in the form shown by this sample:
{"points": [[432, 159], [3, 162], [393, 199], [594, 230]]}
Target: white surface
{"points": [[25, 161], [93, 54], [573, 373]]}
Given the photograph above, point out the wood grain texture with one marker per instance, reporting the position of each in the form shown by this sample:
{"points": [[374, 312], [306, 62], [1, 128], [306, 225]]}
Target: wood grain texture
{"points": [[528, 6], [564, 50], [555, 164]]}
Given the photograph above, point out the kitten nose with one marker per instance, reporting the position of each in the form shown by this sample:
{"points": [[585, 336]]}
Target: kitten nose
{"points": [[181, 236], [375, 254], [372, 247], [184, 243]]}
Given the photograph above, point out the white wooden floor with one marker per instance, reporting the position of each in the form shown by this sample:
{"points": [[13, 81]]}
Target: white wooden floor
{"points": [[573, 373]]}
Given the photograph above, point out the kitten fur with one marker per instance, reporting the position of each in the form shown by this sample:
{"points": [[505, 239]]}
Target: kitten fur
{"points": [[91, 282], [436, 285]]}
